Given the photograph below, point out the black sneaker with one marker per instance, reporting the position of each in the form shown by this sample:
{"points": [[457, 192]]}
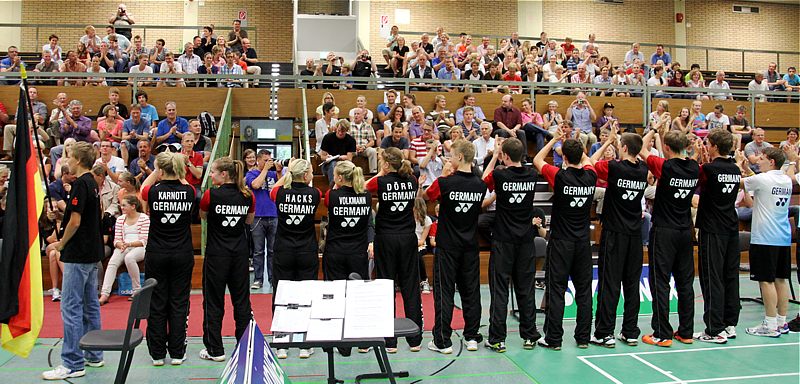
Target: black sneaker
{"points": [[497, 347], [794, 325]]}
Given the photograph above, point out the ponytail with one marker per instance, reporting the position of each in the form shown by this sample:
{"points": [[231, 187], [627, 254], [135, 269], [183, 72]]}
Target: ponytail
{"points": [[394, 157], [235, 170], [406, 170], [351, 174], [239, 178], [296, 170], [171, 164]]}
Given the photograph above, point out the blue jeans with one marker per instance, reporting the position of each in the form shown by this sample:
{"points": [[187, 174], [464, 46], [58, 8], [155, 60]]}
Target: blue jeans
{"points": [[263, 230], [538, 133], [327, 169], [646, 224], [80, 312]]}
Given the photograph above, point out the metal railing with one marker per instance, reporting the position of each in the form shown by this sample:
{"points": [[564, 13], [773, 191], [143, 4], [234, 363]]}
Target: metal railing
{"points": [[43, 30], [670, 48]]}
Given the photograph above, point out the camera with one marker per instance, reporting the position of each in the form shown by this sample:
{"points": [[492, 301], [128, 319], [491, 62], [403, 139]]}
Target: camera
{"points": [[366, 58], [283, 162]]}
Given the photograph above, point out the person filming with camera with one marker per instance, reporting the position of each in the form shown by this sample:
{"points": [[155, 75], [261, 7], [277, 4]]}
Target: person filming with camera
{"points": [[363, 66], [122, 20]]}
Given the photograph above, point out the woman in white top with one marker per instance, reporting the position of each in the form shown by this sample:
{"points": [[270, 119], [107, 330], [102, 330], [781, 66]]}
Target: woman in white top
{"points": [[560, 76], [549, 69], [396, 115], [130, 239], [361, 102], [54, 49], [423, 225], [96, 68], [552, 119], [327, 97], [68, 143], [696, 81], [660, 118], [620, 78]]}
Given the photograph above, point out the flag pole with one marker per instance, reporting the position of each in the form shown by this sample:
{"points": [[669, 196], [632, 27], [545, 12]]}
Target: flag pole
{"points": [[45, 176]]}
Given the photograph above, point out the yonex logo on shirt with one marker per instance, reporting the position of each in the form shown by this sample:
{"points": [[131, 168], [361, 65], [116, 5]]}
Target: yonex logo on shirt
{"points": [[516, 197], [578, 201], [630, 195], [350, 221], [170, 217], [295, 219], [682, 193], [781, 201], [727, 188], [463, 207], [230, 221], [399, 206]]}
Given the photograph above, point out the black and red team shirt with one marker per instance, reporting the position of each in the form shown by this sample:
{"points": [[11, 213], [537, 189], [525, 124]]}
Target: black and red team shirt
{"points": [[86, 245], [719, 185], [296, 209], [677, 181], [622, 204], [227, 211], [396, 195], [171, 203], [573, 192], [461, 195], [515, 188], [348, 220]]}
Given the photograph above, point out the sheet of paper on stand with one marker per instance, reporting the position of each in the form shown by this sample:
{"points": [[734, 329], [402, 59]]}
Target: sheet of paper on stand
{"points": [[281, 338], [287, 319], [294, 292], [324, 330], [369, 309], [328, 300]]}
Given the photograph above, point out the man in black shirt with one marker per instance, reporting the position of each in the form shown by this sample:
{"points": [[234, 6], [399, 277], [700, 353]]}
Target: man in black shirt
{"points": [[332, 67], [113, 99], [363, 67], [569, 252], [620, 258], [457, 263], [670, 247], [338, 145], [81, 247], [512, 256], [250, 57], [719, 257]]}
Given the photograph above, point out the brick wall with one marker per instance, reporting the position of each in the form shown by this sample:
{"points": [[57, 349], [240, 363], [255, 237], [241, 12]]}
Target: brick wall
{"points": [[642, 21], [713, 23], [97, 13], [272, 20], [470, 16], [326, 7]]}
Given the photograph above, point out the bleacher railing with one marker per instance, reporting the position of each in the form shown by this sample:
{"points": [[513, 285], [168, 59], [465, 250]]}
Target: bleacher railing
{"points": [[222, 148], [707, 53]]}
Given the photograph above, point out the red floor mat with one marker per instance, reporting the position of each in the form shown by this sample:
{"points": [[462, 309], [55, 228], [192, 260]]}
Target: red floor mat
{"points": [[114, 315]]}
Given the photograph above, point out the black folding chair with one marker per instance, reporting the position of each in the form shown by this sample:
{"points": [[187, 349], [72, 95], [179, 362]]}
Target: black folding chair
{"points": [[540, 251], [123, 340]]}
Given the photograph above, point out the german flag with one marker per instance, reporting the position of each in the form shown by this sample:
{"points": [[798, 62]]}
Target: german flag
{"points": [[21, 308]]}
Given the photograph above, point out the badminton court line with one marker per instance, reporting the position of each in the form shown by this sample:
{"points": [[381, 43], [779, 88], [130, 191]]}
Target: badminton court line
{"points": [[599, 370], [691, 350], [708, 380], [661, 371]]}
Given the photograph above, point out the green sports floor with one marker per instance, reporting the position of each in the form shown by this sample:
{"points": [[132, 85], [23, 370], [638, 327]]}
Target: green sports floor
{"points": [[747, 359]]}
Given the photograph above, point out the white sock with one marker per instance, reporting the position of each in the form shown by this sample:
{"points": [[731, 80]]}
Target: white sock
{"points": [[780, 320], [772, 322]]}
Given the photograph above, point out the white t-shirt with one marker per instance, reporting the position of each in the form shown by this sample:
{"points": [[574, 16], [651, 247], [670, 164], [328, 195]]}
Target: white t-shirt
{"points": [[418, 229], [771, 192], [321, 129], [713, 121], [115, 164]]}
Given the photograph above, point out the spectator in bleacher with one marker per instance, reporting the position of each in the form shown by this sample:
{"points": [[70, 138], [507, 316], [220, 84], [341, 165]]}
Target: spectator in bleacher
{"points": [[39, 113], [603, 78], [581, 114], [758, 84], [659, 119], [469, 101], [508, 118], [400, 52], [620, 78], [113, 165], [142, 67], [324, 125], [740, 127], [76, 125], [363, 66], [483, 48], [431, 164], [718, 119], [10, 63], [332, 67], [658, 80], [172, 67], [441, 116], [677, 80], [130, 238], [91, 40], [202, 143], [158, 54], [591, 45], [143, 165], [682, 122], [632, 55], [532, 123], [106, 60], [148, 110], [250, 57], [122, 20], [774, 79], [512, 76], [113, 100], [60, 103], [493, 74], [422, 71], [207, 42], [137, 50], [46, 65], [364, 135], [236, 36], [720, 83], [552, 118], [792, 80], [188, 60], [397, 139], [327, 97], [754, 149], [361, 102], [416, 122], [608, 122], [397, 115], [197, 47], [133, 130], [791, 139], [636, 77], [489, 58], [662, 55], [484, 144], [109, 127], [445, 43], [384, 108], [474, 73], [171, 129], [208, 68], [193, 160], [55, 50], [470, 128], [336, 145], [698, 119], [123, 41], [83, 55], [696, 81]]}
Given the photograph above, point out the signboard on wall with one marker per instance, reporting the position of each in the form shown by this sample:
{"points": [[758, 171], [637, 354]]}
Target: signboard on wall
{"points": [[241, 15], [384, 26]]}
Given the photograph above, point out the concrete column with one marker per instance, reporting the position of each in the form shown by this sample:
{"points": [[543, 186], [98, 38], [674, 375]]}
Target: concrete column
{"points": [[190, 17], [679, 55], [529, 18], [361, 10], [11, 12]]}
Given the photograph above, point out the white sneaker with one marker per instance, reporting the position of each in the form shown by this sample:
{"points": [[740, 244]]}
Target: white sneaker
{"points": [[61, 372], [282, 353], [158, 362], [627, 340], [763, 330], [607, 341], [207, 356], [178, 361], [706, 338], [364, 350], [472, 345], [445, 351], [729, 332], [95, 364], [56, 295], [305, 353]]}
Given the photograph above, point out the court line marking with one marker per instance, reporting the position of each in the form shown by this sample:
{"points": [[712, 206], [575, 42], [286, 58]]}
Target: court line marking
{"points": [[599, 370], [692, 350], [731, 378], [661, 371]]}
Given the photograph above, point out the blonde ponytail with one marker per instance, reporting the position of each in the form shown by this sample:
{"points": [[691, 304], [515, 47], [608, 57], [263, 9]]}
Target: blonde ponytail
{"points": [[297, 170], [351, 174], [394, 157], [171, 164], [235, 168]]}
